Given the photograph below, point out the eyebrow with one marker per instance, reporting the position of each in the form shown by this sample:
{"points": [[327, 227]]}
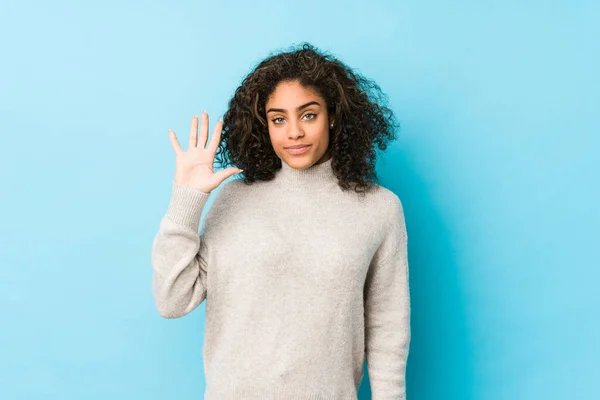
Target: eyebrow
{"points": [[297, 108]]}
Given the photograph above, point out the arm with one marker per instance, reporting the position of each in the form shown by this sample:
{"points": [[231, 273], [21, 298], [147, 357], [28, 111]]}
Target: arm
{"points": [[387, 312], [179, 267]]}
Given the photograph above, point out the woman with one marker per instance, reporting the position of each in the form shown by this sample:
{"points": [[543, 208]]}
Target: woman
{"points": [[303, 263]]}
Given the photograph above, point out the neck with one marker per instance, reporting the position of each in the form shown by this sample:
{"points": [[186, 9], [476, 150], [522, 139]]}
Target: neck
{"points": [[314, 177]]}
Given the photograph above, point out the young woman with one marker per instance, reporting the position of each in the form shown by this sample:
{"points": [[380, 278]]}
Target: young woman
{"points": [[303, 262]]}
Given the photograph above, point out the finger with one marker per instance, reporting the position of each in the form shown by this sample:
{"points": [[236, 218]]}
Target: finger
{"points": [[216, 137], [226, 173], [203, 130], [194, 132], [175, 143]]}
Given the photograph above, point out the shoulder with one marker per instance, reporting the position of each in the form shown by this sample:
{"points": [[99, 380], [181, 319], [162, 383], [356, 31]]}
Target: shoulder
{"points": [[386, 200], [392, 233], [224, 197], [228, 189], [391, 212]]}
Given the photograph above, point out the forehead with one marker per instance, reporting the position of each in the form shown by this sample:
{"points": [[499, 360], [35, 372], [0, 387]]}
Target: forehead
{"points": [[292, 93]]}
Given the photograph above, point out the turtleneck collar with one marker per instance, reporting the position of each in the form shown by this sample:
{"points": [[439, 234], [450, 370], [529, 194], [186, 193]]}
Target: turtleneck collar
{"points": [[315, 176]]}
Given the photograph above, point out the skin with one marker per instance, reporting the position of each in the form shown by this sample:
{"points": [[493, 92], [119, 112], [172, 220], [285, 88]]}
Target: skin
{"points": [[290, 125]]}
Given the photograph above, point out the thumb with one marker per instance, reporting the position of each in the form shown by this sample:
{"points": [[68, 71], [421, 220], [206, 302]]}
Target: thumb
{"points": [[226, 173]]}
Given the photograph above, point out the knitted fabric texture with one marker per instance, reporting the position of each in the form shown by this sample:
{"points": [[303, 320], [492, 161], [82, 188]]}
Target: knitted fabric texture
{"points": [[302, 282]]}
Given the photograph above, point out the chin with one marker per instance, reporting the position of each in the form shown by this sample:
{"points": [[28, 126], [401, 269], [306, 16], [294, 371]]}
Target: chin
{"points": [[300, 162]]}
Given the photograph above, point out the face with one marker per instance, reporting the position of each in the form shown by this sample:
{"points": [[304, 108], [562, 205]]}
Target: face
{"points": [[298, 116]]}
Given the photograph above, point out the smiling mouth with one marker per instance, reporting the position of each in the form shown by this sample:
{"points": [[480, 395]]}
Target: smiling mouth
{"points": [[297, 150]]}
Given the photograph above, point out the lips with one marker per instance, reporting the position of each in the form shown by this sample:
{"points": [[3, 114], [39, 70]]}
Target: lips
{"points": [[299, 149]]}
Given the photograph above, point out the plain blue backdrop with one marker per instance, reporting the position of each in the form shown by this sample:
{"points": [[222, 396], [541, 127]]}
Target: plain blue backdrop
{"points": [[496, 164]]}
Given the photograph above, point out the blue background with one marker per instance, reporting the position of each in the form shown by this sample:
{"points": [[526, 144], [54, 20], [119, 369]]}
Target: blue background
{"points": [[496, 164]]}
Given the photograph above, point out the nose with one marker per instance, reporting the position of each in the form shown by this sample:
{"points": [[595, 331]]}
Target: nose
{"points": [[295, 130]]}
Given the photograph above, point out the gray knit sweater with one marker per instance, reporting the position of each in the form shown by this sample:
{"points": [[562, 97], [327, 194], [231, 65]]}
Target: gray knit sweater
{"points": [[302, 281]]}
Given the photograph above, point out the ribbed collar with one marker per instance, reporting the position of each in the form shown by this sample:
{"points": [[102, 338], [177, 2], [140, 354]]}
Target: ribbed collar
{"points": [[315, 176]]}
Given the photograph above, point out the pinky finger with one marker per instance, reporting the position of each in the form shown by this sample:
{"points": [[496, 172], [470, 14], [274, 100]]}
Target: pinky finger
{"points": [[175, 143]]}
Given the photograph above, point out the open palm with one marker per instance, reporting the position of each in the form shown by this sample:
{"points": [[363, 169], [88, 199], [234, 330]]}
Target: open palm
{"points": [[194, 167]]}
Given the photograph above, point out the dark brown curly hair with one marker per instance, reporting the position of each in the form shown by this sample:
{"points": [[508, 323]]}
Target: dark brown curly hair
{"points": [[359, 108]]}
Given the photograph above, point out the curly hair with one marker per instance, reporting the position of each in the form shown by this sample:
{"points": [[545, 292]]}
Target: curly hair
{"points": [[359, 108]]}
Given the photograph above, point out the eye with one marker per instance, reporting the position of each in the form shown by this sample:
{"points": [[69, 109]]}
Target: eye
{"points": [[276, 119], [313, 116]]}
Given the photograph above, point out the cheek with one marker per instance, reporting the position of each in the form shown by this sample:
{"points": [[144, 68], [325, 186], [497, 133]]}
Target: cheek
{"points": [[319, 130], [324, 133], [273, 135], [278, 139]]}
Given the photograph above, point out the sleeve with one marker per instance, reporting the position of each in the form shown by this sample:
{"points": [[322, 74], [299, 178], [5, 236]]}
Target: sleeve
{"points": [[387, 312], [178, 259]]}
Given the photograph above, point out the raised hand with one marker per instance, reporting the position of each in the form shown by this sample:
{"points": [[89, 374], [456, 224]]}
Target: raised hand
{"points": [[194, 167]]}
